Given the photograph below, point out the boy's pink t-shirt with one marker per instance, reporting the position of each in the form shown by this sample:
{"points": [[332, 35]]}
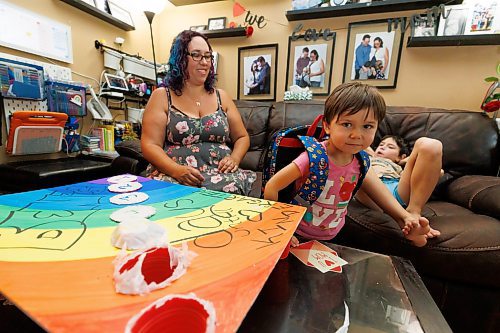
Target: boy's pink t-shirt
{"points": [[326, 216]]}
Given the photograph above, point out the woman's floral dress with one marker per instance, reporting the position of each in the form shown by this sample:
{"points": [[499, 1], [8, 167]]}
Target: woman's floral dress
{"points": [[201, 143]]}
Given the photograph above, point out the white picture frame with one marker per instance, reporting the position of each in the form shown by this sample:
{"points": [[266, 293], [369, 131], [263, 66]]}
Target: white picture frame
{"points": [[454, 24], [483, 17], [120, 13]]}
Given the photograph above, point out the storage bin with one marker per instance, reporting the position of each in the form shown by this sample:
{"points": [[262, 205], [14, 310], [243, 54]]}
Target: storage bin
{"points": [[112, 59], [138, 67], [135, 115]]}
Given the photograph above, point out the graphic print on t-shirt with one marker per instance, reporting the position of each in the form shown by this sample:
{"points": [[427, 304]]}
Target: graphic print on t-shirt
{"points": [[323, 211]]}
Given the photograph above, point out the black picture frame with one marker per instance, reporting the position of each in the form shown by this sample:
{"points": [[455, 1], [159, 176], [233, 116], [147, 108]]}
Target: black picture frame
{"points": [[216, 23], [325, 50], [248, 74], [387, 57]]}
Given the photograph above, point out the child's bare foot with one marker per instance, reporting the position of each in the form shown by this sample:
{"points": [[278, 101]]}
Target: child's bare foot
{"points": [[418, 235], [433, 233]]}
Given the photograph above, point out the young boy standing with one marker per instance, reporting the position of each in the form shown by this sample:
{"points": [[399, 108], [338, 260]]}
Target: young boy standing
{"points": [[352, 114]]}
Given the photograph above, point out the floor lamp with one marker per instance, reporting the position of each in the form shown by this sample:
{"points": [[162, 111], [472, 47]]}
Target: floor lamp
{"points": [[150, 16]]}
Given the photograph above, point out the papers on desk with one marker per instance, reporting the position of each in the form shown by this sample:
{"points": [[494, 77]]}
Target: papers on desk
{"points": [[315, 254]]}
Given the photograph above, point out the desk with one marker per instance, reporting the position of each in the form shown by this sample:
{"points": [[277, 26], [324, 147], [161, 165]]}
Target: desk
{"points": [[383, 294], [56, 257]]}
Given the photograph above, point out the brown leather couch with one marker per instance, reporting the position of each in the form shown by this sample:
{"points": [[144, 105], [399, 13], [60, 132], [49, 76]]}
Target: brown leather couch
{"points": [[461, 268]]}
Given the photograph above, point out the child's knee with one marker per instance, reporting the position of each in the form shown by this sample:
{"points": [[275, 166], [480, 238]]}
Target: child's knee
{"points": [[429, 146]]}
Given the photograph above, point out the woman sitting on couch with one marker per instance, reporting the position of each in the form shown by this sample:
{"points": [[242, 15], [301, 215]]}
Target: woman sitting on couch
{"points": [[188, 125]]}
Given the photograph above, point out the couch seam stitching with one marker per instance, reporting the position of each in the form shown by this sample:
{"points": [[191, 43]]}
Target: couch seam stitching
{"points": [[476, 193]]}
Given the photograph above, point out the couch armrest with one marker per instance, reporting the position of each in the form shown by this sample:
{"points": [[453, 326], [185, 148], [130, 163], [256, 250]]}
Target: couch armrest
{"points": [[477, 193]]}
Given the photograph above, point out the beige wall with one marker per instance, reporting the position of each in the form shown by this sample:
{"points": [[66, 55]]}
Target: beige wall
{"points": [[446, 77]]}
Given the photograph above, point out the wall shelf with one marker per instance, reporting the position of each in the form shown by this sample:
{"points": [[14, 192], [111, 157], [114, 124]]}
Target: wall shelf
{"points": [[363, 8], [189, 2], [99, 14], [221, 33], [462, 40]]}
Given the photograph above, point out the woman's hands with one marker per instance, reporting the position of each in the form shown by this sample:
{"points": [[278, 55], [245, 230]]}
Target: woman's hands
{"points": [[228, 164], [187, 175]]}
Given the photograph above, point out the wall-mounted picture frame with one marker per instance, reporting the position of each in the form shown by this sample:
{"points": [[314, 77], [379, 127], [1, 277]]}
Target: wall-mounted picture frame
{"points": [[216, 23], [120, 13], [198, 28], [309, 64], [257, 70], [373, 53], [454, 23]]}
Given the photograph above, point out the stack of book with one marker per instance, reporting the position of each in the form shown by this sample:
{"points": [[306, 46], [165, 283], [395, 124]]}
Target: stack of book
{"points": [[106, 134], [90, 144]]}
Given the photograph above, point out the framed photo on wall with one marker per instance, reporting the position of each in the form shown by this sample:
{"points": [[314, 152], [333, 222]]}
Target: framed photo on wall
{"points": [[373, 53], [257, 68], [309, 64]]}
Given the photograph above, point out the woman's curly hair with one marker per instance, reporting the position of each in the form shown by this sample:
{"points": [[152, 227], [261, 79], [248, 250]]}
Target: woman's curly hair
{"points": [[177, 63]]}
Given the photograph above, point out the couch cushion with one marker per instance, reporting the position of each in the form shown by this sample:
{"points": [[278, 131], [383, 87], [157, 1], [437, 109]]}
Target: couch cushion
{"points": [[255, 116], [294, 113], [480, 194], [468, 250], [130, 148], [470, 139]]}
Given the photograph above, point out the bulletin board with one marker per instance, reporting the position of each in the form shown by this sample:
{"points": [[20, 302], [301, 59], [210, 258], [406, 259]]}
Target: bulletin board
{"points": [[36, 34]]}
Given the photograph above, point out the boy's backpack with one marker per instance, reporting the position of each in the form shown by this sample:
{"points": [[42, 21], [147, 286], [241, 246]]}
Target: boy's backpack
{"points": [[287, 144]]}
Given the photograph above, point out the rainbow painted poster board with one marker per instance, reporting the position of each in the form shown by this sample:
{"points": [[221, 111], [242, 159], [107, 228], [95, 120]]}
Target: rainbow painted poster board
{"points": [[56, 257]]}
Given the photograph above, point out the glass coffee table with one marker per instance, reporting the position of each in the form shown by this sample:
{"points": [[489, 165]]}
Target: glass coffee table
{"points": [[379, 293]]}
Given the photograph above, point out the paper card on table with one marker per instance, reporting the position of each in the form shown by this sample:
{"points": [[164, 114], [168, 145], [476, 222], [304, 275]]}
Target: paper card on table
{"points": [[315, 254]]}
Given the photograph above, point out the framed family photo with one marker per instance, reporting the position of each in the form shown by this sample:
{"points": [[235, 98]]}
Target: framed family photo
{"points": [[257, 68], [309, 64], [373, 53]]}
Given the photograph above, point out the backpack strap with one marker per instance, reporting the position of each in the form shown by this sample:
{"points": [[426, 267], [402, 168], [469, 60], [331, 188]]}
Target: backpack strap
{"points": [[364, 162], [318, 172]]}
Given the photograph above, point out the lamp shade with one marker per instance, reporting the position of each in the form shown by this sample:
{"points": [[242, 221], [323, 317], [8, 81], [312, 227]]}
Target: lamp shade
{"points": [[154, 6]]}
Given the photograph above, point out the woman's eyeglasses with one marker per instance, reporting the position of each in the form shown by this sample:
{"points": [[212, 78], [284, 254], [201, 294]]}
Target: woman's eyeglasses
{"points": [[197, 56]]}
